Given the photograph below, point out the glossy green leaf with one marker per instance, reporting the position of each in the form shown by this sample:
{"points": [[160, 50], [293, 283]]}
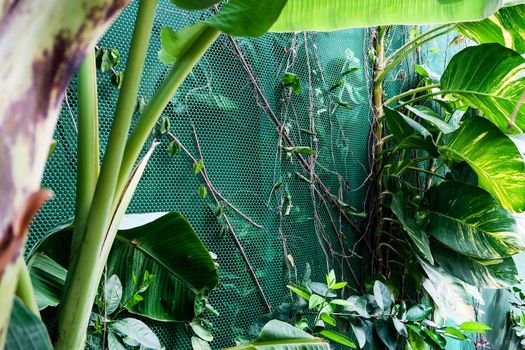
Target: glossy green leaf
{"points": [[250, 18], [194, 4], [338, 338], [489, 77], [383, 295], [114, 342], [48, 279], [278, 335], [180, 262], [499, 273], [493, 156], [328, 15], [360, 330], [432, 117], [408, 134], [137, 331], [199, 344], [438, 339], [505, 27], [26, 331], [201, 331], [416, 235], [418, 312], [474, 327], [470, 221], [400, 327]]}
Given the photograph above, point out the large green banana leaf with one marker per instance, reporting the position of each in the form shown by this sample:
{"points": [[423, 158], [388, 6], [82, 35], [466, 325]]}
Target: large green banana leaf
{"points": [[163, 244], [493, 156], [48, 278], [492, 78], [328, 15], [279, 335], [499, 273], [505, 27], [470, 221], [26, 331]]}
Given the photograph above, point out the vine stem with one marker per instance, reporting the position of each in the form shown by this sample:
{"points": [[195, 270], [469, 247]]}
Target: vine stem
{"points": [[238, 243], [290, 143], [208, 183]]}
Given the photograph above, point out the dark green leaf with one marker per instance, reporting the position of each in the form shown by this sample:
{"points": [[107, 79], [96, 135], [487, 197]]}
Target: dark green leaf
{"points": [[416, 235], [117, 78], [387, 334], [26, 331], [360, 331], [438, 339], [174, 148], [408, 134], [432, 117]]}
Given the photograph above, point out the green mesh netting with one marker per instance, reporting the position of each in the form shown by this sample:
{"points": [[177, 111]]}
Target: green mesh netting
{"points": [[242, 154]]}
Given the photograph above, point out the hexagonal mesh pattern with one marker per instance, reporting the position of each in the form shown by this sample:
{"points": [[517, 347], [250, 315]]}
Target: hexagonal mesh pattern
{"points": [[244, 158]]}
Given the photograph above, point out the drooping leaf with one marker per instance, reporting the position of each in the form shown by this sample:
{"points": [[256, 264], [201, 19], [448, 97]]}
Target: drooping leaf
{"points": [[416, 235], [493, 156], [201, 331], [383, 295], [432, 117], [250, 18], [48, 279], [505, 27], [498, 273], [470, 221], [278, 335], [179, 260], [400, 327], [137, 331], [408, 133], [175, 43], [114, 343], [194, 4], [360, 331], [489, 77], [26, 331], [328, 15], [338, 338]]}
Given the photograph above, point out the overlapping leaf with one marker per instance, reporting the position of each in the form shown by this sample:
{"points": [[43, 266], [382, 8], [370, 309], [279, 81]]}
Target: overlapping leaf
{"points": [[328, 15], [489, 77], [505, 27], [498, 164], [470, 221]]}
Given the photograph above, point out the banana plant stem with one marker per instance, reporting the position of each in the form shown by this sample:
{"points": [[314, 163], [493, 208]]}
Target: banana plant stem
{"points": [[411, 92], [84, 274], [164, 94], [88, 162]]}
